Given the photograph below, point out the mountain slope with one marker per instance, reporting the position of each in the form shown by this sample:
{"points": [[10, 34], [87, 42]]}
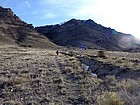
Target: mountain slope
{"points": [[87, 33], [15, 31]]}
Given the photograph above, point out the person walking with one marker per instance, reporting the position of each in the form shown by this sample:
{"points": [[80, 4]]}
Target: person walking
{"points": [[57, 52]]}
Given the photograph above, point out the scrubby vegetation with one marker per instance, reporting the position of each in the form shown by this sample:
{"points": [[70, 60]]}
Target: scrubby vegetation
{"points": [[101, 54], [110, 98], [31, 76]]}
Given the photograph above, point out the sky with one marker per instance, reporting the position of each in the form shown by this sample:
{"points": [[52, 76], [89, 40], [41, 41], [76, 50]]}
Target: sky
{"points": [[121, 15]]}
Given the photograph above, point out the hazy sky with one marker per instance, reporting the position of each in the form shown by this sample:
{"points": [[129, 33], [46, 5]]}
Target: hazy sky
{"points": [[122, 15]]}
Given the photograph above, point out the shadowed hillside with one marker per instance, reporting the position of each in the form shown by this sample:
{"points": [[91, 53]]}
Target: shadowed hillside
{"points": [[87, 33], [15, 31]]}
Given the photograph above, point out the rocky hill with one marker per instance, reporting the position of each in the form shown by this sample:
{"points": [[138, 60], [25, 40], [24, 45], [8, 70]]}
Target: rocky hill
{"points": [[15, 31], [87, 33]]}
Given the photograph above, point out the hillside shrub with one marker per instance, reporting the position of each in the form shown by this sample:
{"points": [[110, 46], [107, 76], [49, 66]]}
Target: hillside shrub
{"points": [[101, 54], [110, 98], [71, 53]]}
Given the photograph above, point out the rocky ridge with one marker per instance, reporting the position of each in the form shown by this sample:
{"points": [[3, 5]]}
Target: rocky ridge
{"points": [[15, 31], [89, 34]]}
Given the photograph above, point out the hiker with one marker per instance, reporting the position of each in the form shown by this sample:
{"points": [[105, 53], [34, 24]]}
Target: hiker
{"points": [[57, 52]]}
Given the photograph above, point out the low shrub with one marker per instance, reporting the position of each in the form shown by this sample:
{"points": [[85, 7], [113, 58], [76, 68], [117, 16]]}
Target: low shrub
{"points": [[110, 98], [101, 54]]}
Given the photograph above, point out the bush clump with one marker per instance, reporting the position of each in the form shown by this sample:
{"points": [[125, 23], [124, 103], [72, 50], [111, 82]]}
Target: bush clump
{"points": [[101, 54], [71, 53], [110, 98]]}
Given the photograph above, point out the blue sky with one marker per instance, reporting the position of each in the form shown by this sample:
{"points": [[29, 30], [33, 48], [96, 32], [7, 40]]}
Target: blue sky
{"points": [[122, 15]]}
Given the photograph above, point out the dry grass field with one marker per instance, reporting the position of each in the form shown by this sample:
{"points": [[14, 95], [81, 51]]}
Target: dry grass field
{"points": [[30, 76]]}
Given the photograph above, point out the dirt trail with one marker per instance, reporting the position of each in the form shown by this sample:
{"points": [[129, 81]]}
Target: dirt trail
{"points": [[71, 88]]}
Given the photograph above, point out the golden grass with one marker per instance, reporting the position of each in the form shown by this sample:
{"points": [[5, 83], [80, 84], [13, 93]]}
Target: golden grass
{"points": [[39, 76]]}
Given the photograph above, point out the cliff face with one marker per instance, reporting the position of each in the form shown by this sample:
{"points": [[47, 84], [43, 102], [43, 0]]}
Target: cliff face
{"points": [[87, 33], [15, 31]]}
